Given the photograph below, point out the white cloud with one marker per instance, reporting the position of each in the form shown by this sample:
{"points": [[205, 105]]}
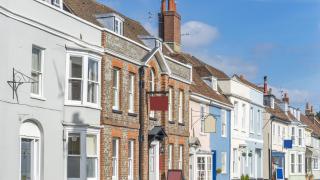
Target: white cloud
{"points": [[297, 96], [197, 34]]}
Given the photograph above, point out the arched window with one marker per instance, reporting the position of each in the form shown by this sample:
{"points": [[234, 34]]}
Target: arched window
{"points": [[152, 87], [30, 143]]}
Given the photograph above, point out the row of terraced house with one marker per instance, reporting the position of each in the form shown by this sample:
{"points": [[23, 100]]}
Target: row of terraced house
{"points": [[76, 83]]}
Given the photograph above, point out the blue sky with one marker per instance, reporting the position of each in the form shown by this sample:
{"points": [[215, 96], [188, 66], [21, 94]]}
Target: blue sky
{"points": [[278, 38]]}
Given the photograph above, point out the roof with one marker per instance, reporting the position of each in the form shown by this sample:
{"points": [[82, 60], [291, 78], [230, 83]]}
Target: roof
{"points": [[88, 9], [205, 69], [312, 123], [278, 113], [244, 81]]}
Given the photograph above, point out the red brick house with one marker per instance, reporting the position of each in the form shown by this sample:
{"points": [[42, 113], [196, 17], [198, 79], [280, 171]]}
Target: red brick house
{"points": [[137, 142]]}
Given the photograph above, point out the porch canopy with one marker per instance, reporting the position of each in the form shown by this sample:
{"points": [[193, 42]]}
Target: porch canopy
{"points": [[157, 133]]}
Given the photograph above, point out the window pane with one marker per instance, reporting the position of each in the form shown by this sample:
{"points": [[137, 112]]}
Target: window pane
{"points": [[114, 148], [93, 70], [91, 145], [91, 167], [75, 67], [36, 59], [25, 159], [75, 90], [74, 144], [92, 92], [35, 86], [115, 78], [73, 167]]}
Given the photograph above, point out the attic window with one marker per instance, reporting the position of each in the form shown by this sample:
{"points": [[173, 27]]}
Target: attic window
{"points": [[212, 82], [111, 21], [57, 3]]}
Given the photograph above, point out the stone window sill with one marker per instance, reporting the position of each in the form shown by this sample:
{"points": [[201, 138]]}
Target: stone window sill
{"points": [[116, 111]]}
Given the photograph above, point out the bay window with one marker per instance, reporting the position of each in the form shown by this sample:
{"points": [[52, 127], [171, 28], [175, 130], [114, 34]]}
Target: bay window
{"points": [[204, 168], [82, 154], [83, 82], [131, 92], [37, 71]]}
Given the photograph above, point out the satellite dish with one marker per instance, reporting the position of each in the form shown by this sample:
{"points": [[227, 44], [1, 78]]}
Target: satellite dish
{"points": [[210, 124]]}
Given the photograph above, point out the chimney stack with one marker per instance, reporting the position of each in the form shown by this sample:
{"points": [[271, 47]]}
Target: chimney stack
{"points": [[286, 98], [265, 85], [170, 25]]}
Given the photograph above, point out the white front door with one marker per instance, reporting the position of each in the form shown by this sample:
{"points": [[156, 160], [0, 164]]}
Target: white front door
{"points": [[154, 161]]}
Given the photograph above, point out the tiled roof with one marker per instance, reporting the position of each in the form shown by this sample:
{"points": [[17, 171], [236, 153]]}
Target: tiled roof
{"points": [[205, 70], [88, 9], [278, 113], [199, 86], [312, 123], [244, 81]]}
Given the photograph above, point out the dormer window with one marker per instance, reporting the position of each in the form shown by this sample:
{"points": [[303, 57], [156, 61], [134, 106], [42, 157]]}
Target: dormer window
{"points": [[56, 3], [212, 82], [112, 21]]}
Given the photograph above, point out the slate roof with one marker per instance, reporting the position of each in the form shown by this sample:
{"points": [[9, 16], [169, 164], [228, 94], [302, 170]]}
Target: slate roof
{"points": [[278, 113], [88, 9]]}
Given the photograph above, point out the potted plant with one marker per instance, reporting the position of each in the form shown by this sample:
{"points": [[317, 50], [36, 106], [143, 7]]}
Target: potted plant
{"points": [[219, 171]]}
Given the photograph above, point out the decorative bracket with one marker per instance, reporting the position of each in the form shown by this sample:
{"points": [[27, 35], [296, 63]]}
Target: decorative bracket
{"points": [[18, 78]]}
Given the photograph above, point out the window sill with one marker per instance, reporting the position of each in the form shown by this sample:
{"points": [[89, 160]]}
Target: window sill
{"points": [[83, 105], [132, 114], [41, 98], [116, 111], [153, 119], [181, 124], [172, 122]]}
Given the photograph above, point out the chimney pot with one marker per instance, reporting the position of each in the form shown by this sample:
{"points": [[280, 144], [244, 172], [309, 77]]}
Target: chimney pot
{"points": [[265, 89]]}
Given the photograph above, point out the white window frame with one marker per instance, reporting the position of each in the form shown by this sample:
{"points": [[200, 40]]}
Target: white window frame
{"points": [[83, 132], [235, 162], [300, 165], [292, 163], [85, 61], [180, 108], [207, 167], [116, 89], [244, 114], [152, 88], [259, 119], [293, 135], [57, 3], [315, 163], [251, 118], [131, 93], [170, 106], [224, 125], [223, 162], [40, 73], [36, 150], [131, 145], [300, 137], [279, 135], [119, 24], [180, 162], [236, 114], [170, 155], [115, 160]]}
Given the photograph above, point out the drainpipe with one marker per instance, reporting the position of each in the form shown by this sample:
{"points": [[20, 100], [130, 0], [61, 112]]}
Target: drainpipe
{"points": [[270, 153], [141, 119]]}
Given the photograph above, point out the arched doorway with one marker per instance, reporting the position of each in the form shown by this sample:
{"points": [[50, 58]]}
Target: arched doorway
{"points": [[30, 145]]}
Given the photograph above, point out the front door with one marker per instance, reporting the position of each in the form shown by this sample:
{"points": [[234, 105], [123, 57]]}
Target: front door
{"points": [[154, 161]]}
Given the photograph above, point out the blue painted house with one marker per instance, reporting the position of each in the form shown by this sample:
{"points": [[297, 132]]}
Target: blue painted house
{"points": [[220, 142]]}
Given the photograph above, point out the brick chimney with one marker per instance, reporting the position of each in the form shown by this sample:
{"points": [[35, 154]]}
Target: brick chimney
{"points": [[170, 25], [285, 103]]}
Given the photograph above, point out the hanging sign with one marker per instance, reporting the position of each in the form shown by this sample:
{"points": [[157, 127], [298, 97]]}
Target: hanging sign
{"points": [[159, 103], [287, 144], [210, 124]]}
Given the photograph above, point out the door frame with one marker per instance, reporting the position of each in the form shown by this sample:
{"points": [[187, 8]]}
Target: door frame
{"points": [[157, 161]]}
